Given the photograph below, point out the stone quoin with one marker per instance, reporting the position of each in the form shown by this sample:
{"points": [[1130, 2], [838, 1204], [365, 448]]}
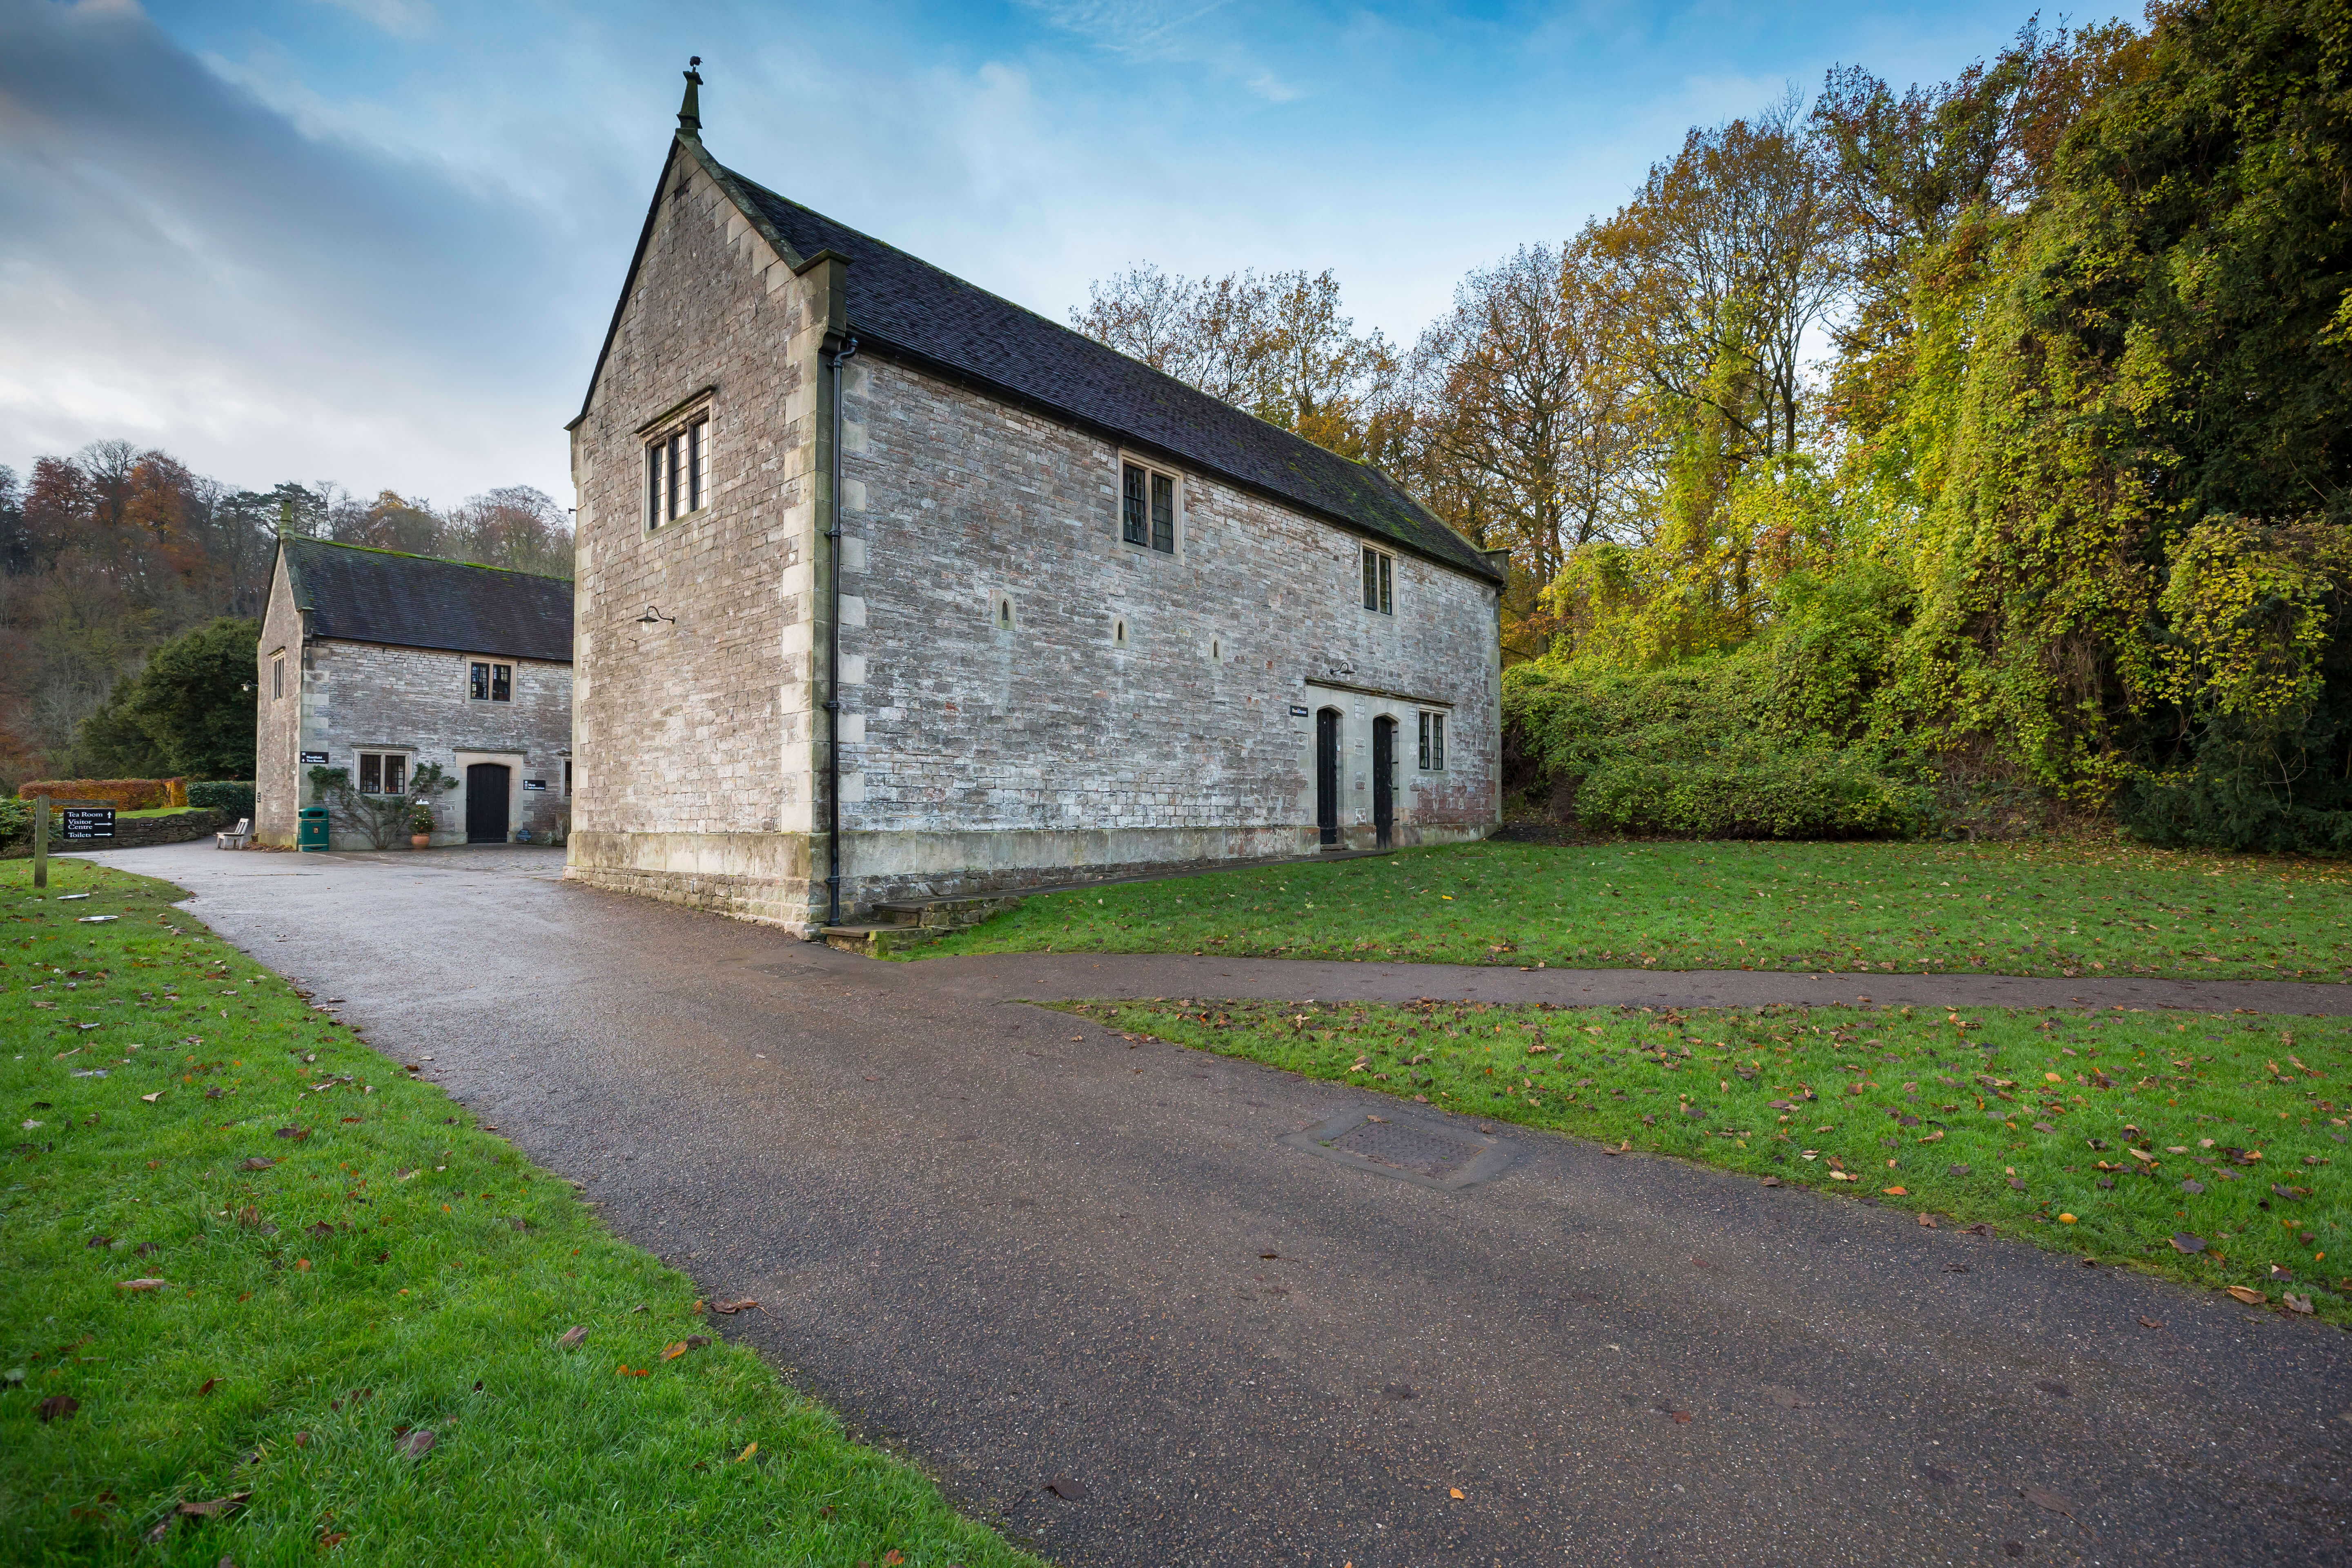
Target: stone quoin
{"points": [[1072, 618]]}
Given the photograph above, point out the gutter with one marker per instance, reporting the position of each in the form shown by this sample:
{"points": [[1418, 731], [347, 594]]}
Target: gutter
{"points": [[843, 348]]}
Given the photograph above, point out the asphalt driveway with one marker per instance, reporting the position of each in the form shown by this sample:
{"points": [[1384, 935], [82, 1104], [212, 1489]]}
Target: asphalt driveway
{"points": [[1018, 1248]]}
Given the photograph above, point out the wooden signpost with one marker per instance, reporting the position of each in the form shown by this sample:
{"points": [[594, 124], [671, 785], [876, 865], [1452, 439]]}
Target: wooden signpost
{"points": [[40, 841]]}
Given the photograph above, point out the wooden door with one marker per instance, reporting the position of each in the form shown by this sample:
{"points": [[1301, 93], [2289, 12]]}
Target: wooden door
{"points": [[486, 802], [1326, 774], [1385, 779]]}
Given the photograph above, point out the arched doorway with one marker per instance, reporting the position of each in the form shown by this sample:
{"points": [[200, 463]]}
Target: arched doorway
{"points": [[486, 802], [1327, 776], [1384, 732]]}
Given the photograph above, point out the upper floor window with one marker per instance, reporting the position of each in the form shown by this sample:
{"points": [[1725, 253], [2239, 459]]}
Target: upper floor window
{"points": [[1379, 579], [277, 677], [384, 773], [678, 472], [1147, 507], [1433, 743], [489, 682]]}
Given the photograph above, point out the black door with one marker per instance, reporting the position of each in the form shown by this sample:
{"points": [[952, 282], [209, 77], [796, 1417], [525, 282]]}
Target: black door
{"points": [[1383, 778], [1327, 773], [486, 803]]}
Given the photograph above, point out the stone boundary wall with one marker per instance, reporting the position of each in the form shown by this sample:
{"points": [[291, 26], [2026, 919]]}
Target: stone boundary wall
{"points": [[139, 833]]}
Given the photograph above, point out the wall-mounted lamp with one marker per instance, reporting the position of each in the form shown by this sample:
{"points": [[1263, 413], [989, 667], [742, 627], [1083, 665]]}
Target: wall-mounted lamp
{"points": [[654, 618], [1341, 671]]}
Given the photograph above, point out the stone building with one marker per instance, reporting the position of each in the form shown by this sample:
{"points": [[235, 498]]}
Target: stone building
{"points": [[884, 578], [379, 663]]}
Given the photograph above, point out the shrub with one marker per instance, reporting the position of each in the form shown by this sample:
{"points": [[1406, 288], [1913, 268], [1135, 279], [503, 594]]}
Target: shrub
{"points": [[16, 820], [223, 794], [124, 795]]}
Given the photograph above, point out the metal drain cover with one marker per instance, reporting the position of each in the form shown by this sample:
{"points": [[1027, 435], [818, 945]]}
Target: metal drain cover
{"points": [[1422, 1150]]}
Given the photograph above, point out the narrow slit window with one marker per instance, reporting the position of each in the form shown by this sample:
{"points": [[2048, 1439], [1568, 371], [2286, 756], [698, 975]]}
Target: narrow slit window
{"points": [[567, 778], [1380, 581], [277, 678], [694, 433]]}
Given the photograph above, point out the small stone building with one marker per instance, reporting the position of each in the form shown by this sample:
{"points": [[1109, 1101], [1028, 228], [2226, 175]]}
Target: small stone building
{"points": [[888, 585], [379, 663]]}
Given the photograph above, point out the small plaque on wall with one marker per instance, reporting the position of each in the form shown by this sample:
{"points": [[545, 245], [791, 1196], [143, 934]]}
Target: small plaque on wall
{"points": [[314, 759], [534, 784], [1298, 712]]}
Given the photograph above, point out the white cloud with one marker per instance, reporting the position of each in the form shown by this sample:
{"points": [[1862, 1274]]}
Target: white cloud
{"points": [[400, 18]]}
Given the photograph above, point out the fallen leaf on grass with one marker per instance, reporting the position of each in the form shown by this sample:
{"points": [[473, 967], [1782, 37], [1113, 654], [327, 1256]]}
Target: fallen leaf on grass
{"points": [[572, 1338], [57, 1406], [418, 1443], [626, 1370], [152, 1099], [2297, 1303], [2249, 1295], [256, 1162], [333, 1537], [296, 1133], [749, 1450], [2187, 1241], [207, 1385], [730, 1308], [139, 1284], [672, 1351], [1928, 1220], [1894, 1192], [212, 1507]]}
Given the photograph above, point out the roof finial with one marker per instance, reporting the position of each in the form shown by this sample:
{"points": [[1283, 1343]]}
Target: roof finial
{"points": [[689, 113]]}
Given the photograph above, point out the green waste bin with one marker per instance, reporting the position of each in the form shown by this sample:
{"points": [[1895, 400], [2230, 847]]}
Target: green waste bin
{"points": [[314, 827]]}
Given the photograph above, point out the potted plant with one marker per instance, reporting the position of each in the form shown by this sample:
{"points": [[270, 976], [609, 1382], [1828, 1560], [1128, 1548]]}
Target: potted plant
{"points": [[420, 827]]}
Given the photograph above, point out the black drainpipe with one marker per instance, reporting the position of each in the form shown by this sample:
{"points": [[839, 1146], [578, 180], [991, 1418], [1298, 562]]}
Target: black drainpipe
{"points": [[841, 352]]}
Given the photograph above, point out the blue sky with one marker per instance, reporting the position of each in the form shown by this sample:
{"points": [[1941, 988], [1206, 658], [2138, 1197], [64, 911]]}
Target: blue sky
{"points": [[377, 241]]}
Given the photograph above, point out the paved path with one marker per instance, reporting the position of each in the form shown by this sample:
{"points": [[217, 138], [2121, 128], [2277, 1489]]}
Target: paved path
{"points": [[1019, 1247]]}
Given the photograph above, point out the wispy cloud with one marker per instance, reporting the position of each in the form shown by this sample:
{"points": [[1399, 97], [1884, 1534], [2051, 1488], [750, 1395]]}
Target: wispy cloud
{"points": [[400, 18], [1141, 33]]}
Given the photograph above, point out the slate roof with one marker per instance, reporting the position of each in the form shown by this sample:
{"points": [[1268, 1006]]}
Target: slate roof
{"points": [[361, 594]]}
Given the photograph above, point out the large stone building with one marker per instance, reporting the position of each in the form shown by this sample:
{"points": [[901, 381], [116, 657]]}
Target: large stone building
{"points": [[379, 663], [1041, 611]]}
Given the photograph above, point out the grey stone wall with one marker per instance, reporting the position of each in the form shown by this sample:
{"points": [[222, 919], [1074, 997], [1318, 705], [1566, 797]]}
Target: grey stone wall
{"points": [[694, 737], [973, 755], [278, 780], [1139, 710], [362, 697]]}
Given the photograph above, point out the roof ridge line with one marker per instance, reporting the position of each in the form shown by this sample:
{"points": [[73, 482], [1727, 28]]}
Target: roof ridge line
{"points": [[419, 555]]}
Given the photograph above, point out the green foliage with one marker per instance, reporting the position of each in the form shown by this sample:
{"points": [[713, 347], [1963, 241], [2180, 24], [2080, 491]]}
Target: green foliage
{"points": [[189, 711], [2091, 506], [16, 818], [232, 796]]}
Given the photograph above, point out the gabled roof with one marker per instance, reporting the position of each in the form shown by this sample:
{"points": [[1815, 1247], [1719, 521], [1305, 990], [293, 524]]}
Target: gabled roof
{"points": [[905, 307], [360, 594]]}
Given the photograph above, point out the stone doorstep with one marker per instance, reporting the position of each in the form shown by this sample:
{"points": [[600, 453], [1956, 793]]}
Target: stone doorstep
{"points": [[946, 914], [876, 942]]}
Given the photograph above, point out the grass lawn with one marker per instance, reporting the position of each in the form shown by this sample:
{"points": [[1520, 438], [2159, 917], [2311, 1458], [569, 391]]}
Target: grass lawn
{"points": [[248, 1258], [2224, 1131], [2043, 909]]}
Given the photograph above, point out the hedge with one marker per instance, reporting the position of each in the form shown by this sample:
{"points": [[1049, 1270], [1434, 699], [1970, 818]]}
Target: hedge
{"points": [[232, 795], [124, 795]]}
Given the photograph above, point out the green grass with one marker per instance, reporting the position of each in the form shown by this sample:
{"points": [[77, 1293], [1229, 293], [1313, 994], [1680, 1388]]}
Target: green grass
{"points": [[1898, 1102], [2056, 910], [159, 811], [328, 1295]]}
